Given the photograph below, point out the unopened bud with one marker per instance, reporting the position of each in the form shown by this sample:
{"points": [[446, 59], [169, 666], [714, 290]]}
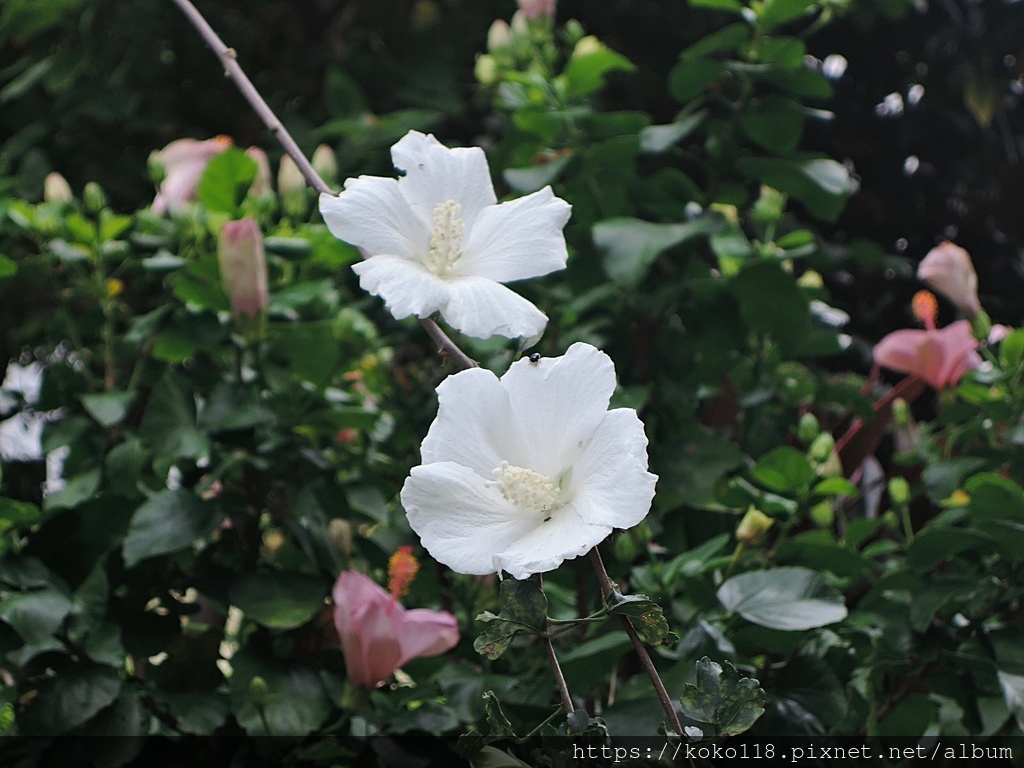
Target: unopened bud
{"points": [[899, 490], [325, 163], [753, 527], [156, 168], [261, 185], [340, 533], [586, 46], [499, 37], [822, 514], [94, 197], [822, 447], [626, 548], [531, 9], [486, 70], [243, 268], [292, 188], [808, 428], [259, 691], [56, 189], [900, 413]]}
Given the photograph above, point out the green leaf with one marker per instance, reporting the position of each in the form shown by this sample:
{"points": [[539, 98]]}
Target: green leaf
{"points": [[733, 6], [501, 727], [784, 469], [691, 77], [525, 610], [725, 39], [783, 598], [773, 122], [695, 561], [492, 757], [78, 490], [36, 615], [722, 698], [108, 408], [534, 177], [658, 138], [994, 497], [776, 12], [296, 702], [646, 616], [70, 699], [631, 245], [310, 348], [167, 522], [934, 545], [226, 180], [1011, 350], [169, 422], [278, 599], [231, 407], [585, 74], [941, 478], [820, 183], [7, 267], [772, 302]]}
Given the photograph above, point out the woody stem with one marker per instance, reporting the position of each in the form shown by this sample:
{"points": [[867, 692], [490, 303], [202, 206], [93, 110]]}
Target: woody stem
{"points": [[234, 72], [556, 668], [607, 589]]}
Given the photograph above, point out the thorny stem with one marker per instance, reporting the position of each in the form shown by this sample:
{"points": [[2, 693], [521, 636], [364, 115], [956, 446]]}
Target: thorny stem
{"points": [[607, 589], [233, 70]]}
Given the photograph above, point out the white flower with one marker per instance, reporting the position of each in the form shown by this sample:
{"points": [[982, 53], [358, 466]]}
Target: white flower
{"points": [[523, 472], [436, 239]]}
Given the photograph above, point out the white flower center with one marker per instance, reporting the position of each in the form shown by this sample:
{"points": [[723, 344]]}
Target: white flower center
{"points": [[526, 488], [445, 238]]}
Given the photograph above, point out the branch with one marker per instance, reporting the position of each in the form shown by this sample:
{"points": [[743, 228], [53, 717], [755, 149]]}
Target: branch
{"points": [[607, 588], [234, 71]]}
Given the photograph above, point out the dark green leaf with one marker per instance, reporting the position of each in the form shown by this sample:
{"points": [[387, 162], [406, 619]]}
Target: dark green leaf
{"points": [[820, 183], [277, 599], [7, 267], [525, 610], [723, 699], [169, 423], [36, 615], [691, 77], [534, 177], [500, 726], [585, 74], [658, 138], [994, 497], [783, 598], [108, 408], [646, 616], [296, 702], [776, 12], [771, 301], [78, 490], [630, 245], [167, 522], [70, 699], [773, 122]]}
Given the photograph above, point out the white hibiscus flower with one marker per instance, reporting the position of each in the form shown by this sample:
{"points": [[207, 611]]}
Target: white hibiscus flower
{"points": [[523, 472], [436, 239]]}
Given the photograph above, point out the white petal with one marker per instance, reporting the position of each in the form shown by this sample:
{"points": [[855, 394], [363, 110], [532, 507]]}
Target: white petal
{"points": [[518, 239], [373, 215], [474, 425], [460, 519], [406, 286], [483, 308], [559, 403], [564, 536], [435, 174], [610, 481]]}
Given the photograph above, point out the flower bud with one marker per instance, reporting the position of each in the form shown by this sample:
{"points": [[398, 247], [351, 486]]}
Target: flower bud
{"points": [[753, 527], [340, 534], [626, 548], [486, 70], [259, 691], [243, 268], [822, 514], [325, 163], [94, 197], [899, 490], [900, 413], [291, 187], [499, 37], [948, 270], [808, 428], [587, 45], [56, 189], [531, 9], [822, 447], [261, 185]]}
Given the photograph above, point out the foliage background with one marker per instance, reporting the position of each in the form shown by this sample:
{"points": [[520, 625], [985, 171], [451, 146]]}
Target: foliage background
{"points": [[721, 376]]}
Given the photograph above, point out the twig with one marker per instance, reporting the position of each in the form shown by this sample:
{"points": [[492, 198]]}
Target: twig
{"points": [[556, 668], [607, 589], [233, 70]]}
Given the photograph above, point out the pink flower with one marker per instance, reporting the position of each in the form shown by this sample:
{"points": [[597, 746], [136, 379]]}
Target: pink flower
{"points": [[533, 8], [940, 357], [948, 269], [378, 635], [243, 267], [184, 161]]}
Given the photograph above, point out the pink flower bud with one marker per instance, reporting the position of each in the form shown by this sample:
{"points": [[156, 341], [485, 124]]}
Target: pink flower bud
{"points": [[183, 162], [56, 189], [948, 270], [534, 8], [261, 185], [243, 267]]}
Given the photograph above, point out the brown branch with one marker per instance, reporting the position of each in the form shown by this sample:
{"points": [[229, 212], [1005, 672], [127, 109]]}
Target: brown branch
{"points": [[607, 589], [234, 71]]}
